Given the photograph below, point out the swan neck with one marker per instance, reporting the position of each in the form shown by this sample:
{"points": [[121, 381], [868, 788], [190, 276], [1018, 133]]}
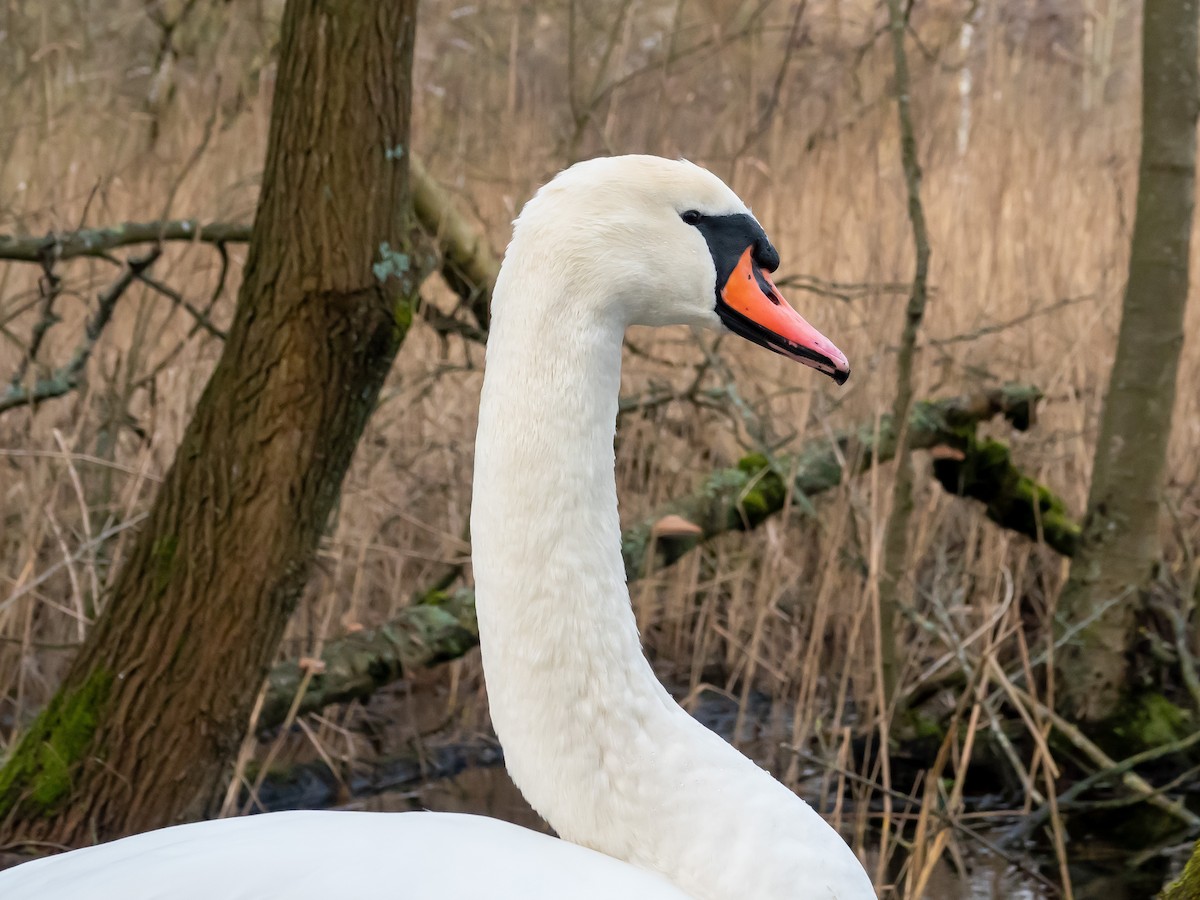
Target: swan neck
{"points": [[568, 685], [590, 736]]}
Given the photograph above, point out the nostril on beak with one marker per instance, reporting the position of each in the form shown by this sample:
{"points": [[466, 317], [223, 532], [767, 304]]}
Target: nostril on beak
{"points": [[765, 255]]}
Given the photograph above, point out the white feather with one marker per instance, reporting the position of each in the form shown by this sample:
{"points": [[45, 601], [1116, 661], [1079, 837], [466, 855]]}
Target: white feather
{"points": [[321, 855]]}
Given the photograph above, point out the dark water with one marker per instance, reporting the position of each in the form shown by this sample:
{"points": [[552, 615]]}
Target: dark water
{"points": [[1097, 870], [474, 781], [490, 792]]}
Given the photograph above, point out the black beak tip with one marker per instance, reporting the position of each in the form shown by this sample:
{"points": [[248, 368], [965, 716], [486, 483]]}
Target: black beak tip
{"points": [[841, 376]]}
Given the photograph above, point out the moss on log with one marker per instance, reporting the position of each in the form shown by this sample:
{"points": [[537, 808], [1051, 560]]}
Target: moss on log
{"points": [[440, 629], [984, 471], [1145, 720], [742, 497]]}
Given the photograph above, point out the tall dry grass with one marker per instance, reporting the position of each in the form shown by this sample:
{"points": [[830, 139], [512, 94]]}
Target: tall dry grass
{"points": [[1029, 221]]}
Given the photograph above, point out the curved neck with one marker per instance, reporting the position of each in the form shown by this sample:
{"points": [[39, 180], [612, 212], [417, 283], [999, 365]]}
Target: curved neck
{"points": [[568, 685], [590, 736]]}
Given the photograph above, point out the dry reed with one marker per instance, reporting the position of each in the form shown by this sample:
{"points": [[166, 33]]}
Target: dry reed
{"points": [[1029, 223]]}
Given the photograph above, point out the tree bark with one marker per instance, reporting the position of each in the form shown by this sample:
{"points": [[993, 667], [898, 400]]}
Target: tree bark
{"points": [[1120, 541], [156, 702], [895, 536]]}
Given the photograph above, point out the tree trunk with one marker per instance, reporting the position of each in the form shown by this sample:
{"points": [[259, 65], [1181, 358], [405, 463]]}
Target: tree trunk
{"points": [[895, 537], [1120, 542], [158, 698]]}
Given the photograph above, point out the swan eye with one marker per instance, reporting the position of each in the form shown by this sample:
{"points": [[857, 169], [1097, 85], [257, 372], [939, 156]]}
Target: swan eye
{"points": [[691, 217]]}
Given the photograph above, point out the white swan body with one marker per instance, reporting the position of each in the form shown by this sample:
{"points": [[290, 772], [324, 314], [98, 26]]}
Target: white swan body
{"points": [[593, 740], [321, 855]]}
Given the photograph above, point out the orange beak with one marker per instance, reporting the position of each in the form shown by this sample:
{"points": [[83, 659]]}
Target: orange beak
{"points": [[752, 307]]}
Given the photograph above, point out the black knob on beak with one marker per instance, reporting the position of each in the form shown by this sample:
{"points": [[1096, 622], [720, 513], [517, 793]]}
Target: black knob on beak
{"points": [[765, 255]]}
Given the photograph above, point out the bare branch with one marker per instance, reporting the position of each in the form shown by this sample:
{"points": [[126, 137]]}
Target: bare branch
{"points": [[98, 241], [50, 287], [66, 379]]}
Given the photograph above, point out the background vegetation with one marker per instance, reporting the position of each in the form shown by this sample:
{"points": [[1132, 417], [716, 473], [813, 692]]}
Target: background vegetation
{"points": [[1027, 123]]}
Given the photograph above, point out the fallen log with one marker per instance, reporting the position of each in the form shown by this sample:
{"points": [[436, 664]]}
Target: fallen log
{"points": [[353, 667], [984, 470], [740, 498], [442, 626], [468, 265]]}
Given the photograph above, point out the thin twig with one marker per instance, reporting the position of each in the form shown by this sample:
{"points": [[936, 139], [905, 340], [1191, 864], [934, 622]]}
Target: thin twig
{"points": [[78, 554], [1187, 664], [767, 113], [1131, 780], [953, 822], [199, 316], [1035, 820], [997, 327], [197, 154], [67, 378], [841, 290]]}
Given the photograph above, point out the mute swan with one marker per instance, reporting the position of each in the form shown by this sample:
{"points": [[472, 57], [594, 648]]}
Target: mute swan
{"points": [[598, 747]]}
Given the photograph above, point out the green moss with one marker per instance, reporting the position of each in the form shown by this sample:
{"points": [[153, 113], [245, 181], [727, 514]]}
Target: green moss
{"points": [[1014, 501], [753, 463], [40, 770], [754, 505], [992, 455], [435, 598], [1187, 886], [765, 492], [1146, 721], [403, 310], [920, 729]]}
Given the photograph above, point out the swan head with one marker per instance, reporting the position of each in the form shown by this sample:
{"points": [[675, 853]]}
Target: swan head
{"points": [[662, 242]]}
